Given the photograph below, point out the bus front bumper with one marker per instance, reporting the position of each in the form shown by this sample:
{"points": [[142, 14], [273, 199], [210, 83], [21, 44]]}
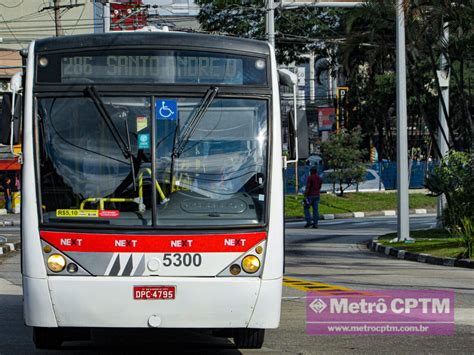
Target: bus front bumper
{"points": [[62, 301]]}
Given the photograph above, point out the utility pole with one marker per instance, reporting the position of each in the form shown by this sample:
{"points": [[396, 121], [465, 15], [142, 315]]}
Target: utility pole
{"points": [[106, 9], [443, 129], [270, 22], [403, 225], [57, 18], [312, 79], [57, 7]]}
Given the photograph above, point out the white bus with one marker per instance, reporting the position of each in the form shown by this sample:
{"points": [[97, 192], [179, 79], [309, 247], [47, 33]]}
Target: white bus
{"points": [[152, 190]]}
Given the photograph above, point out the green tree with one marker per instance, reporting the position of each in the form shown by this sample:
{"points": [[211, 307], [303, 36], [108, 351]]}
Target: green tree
{"points": [[343, 158], [466, 231], [454, 177], [368, 55], [360, 45], [298, 31]]}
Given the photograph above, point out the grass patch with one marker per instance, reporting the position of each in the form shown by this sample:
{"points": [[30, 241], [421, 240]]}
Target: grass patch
{"points": [[436, 242], [450, 247], [436, 233], [357, 202]]}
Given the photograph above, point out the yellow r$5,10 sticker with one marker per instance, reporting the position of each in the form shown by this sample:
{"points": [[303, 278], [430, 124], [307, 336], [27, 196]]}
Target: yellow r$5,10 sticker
{"points": [[78, 213]]}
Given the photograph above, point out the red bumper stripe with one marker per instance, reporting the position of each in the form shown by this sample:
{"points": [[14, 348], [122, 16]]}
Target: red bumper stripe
{"points": [[116, 243]]}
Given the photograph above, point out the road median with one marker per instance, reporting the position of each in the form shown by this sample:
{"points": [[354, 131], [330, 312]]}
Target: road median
{"points": [[389, 251]]}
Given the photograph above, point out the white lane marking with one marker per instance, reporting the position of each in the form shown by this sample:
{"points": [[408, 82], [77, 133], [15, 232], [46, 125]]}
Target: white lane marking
{"points": [[464, 316]]}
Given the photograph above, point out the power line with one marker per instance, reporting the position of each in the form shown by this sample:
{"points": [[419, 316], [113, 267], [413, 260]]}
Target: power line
{"points": [[12, 33], [32, 15], [12, 7], [40, 20], [79, 19]]}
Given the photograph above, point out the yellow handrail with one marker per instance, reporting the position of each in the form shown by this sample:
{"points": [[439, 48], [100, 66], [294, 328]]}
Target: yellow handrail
{"points": [[102, 200], [138, 200], [158, 187]]}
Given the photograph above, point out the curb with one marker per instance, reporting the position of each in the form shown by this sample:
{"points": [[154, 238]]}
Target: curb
{"points": [[348, 215], [377, 247], [9, 247], [4, 212], [8, 223]]}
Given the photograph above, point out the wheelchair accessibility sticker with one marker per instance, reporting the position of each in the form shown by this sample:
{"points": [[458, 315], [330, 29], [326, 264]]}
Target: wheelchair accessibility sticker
{"points": [[166, 110]]}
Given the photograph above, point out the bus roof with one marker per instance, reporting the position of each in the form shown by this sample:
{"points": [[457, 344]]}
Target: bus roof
{"points": [[151, 39]]}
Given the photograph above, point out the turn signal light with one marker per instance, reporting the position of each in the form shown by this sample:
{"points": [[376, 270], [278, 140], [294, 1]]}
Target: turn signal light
{"points": [[56, 262], [250, 264], [235, 269], [47, 249]]}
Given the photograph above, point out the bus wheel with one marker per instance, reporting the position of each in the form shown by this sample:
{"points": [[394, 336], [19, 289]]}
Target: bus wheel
{"points": [[249, 338], [47, 338]]}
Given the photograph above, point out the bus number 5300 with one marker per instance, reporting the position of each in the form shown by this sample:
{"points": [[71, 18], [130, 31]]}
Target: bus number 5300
{"points": [[178, 259]]}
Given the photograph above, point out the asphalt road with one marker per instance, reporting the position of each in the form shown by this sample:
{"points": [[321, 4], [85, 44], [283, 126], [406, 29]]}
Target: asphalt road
{"points": [[332, 254]]}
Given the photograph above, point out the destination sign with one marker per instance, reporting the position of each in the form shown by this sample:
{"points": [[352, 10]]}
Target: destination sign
{"points": [[167, 67]]}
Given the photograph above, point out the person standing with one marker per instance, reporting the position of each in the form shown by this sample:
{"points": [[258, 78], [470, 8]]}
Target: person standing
{"points": [[7, 192], [311, 196]]}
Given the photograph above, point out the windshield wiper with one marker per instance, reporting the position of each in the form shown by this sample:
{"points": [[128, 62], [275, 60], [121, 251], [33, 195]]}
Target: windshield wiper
{"points": [[194, 121], [180, 140], [124, 147]]}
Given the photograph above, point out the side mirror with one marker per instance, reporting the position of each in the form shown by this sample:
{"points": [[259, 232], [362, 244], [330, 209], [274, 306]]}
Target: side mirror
{"points": [[10, 124], [298, 130], [291, 136], [11, 114], [303, 140]]}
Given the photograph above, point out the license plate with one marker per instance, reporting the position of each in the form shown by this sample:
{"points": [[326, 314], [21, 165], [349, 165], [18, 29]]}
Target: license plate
{"points": [[154, 292]]}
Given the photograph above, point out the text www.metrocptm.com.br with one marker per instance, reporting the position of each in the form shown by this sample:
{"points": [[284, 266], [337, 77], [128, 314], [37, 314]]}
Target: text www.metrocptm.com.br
{"points": [[378, 328]]}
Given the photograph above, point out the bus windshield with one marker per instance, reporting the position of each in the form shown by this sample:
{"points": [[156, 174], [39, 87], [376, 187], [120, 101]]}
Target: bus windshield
{"points": [[218, 177]]}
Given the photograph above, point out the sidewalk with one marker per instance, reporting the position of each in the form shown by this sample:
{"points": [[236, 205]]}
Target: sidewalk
{"points": [[9, 233]]}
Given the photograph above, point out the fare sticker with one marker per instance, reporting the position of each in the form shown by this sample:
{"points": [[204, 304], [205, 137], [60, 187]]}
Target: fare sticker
{"points": [[77, 213], [87, 213]]}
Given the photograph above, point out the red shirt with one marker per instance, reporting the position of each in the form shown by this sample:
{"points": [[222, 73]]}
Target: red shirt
{"points": [[313, 185]]}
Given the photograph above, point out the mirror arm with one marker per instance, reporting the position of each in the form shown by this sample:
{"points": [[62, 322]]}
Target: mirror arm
{"points": [[11, 123], [285, 162], [295, 117]]}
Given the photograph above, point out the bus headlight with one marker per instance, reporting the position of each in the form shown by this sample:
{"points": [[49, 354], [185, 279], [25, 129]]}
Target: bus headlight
{"points": [[250, 264], [56, 262], [43, 62]]}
